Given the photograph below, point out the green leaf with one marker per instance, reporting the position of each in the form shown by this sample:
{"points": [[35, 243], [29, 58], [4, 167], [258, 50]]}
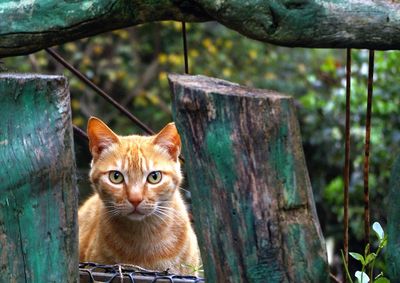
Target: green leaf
{"points": [[382, 280], [370, 258], [362, 277], [358, 257], [378, 230]]}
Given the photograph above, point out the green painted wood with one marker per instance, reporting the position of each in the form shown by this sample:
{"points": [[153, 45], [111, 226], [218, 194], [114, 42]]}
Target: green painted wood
{"points": [[38, 196], [23, 28], [252, 200], [393, 225], [30, 25]]}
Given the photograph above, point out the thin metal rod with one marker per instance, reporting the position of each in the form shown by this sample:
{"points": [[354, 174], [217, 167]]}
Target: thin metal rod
{"points": [[367, 146], [346, 173], [185, 51], [98, 90], [334, 278], [79, 132]]}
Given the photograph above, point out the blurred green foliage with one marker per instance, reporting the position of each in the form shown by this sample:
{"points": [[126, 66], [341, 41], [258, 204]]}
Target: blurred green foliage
{"points": [[132, 65]]}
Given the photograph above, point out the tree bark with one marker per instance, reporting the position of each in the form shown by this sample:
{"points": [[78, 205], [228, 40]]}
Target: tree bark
{"points": [[28, 26], [252, 201], [393, 225], [38, 196]]}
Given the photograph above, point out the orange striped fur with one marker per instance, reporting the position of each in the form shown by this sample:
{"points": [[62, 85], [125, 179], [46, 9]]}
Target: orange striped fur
{"points": [[136, 221]]}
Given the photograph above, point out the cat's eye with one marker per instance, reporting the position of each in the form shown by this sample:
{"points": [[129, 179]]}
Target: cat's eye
{"points": [[116, 177], [154, 177]]}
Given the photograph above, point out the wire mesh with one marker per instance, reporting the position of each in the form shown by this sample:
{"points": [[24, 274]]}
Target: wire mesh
{"points": [[93, 272]]}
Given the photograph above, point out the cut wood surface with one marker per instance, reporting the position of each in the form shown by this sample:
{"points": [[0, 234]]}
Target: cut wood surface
{"points": [[252, 200], [393, 230], [38, 196], [30, 25]]}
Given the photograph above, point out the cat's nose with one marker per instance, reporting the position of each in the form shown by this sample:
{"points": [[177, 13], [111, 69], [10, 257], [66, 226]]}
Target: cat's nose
{"points": [[135, 201]]}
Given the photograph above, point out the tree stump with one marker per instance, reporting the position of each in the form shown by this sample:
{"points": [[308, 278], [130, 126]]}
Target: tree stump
{"points": [[38, 196], [252, 201], [393, 225]]}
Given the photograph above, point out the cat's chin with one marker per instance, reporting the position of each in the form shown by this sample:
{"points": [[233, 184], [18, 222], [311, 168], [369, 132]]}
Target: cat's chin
{"points": [[136, 216]]}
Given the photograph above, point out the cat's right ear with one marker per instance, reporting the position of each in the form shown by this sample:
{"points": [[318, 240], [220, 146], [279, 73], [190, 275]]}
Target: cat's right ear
{"points": [[100, 136]]}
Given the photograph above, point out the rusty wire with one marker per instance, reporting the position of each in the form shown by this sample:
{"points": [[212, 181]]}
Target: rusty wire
{"points": [[346, 173], [335, 279], [185, 51], [367, 145], [94, 272], [78, 131], [98, 90]]}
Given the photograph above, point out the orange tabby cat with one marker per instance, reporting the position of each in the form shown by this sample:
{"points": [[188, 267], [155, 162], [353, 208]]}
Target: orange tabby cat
{"points": [[137, 214]]}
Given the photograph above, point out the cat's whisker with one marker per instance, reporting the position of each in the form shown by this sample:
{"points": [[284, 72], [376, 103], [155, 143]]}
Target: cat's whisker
{"points": [[160, 217], [186, 191], [165, 201], [164, 213], [171, 214], [167, 208]]}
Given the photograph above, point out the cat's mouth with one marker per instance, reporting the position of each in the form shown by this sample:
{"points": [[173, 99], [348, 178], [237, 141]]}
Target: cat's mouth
{"points": [[136, 212]]}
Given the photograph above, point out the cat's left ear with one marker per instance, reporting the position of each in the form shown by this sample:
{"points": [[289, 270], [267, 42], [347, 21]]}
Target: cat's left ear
{"points": [[169, 139], [100, 136]]}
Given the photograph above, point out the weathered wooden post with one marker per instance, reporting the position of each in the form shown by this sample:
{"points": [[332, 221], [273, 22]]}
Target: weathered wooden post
{"points": [[252, 200], [38, 197], [393, 225]]}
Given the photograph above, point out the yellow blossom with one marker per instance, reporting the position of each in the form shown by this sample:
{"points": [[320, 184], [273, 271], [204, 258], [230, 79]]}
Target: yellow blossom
{"points": [[121, 33], [227, 72], [78, 121], [194, 53], [75, 104], [302, 68], [178, 26], [228, 44], [97, 49], [86, 61], [70, 47], [162, 58], [162, 76], [270, 76], [207, 42], [175, 59], [121, 74], [212, 49], [252, 54]]}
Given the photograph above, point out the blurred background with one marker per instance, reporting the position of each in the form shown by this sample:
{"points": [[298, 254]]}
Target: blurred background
{"points": [[132, 65]]}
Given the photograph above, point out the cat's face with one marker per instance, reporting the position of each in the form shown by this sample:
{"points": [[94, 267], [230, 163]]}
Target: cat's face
{"points": [[135, 176]]}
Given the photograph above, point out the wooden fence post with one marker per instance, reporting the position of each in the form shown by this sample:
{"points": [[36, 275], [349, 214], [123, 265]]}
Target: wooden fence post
{"points": [[393, 225], [252, 201], [38, 196]]}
